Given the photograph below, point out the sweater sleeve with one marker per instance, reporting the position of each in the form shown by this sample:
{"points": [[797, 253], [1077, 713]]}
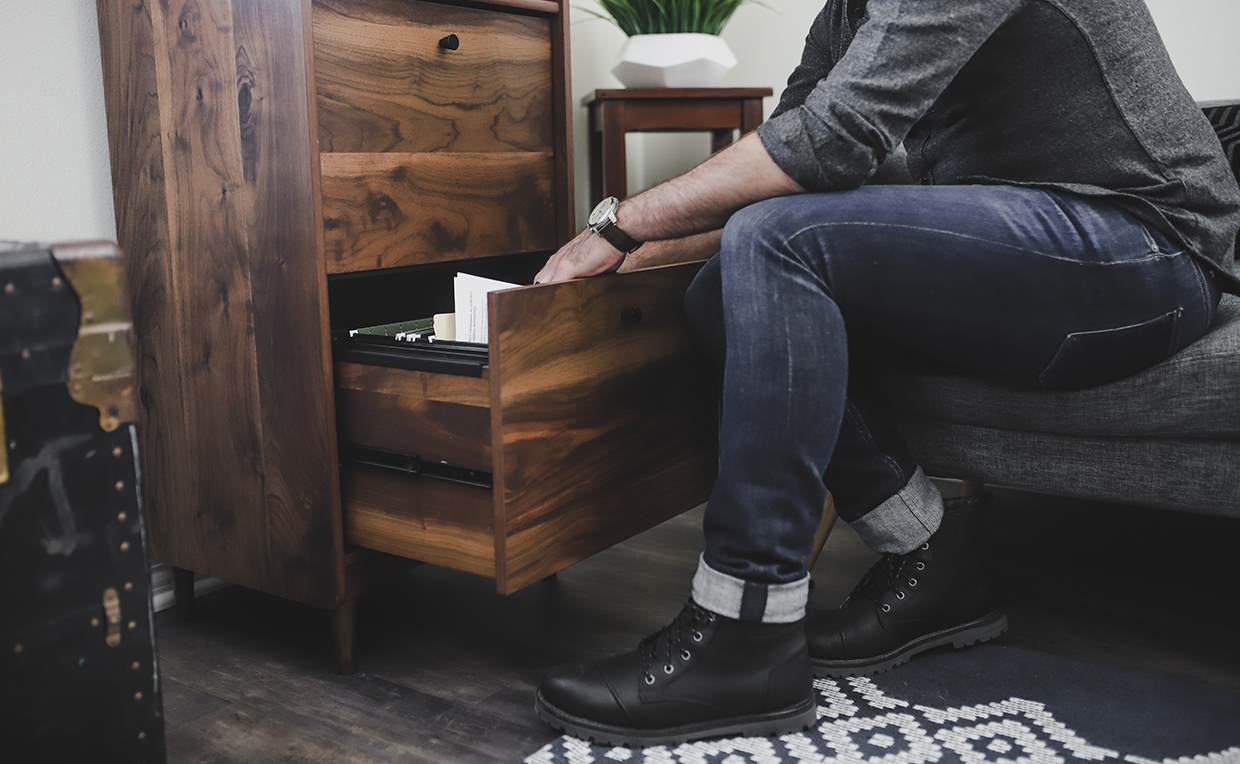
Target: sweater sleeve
{"points": [[895, 68], [826, 39]]}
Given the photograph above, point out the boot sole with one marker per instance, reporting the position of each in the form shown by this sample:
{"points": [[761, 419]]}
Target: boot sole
{"points": [[793, 719], [981, 630]]}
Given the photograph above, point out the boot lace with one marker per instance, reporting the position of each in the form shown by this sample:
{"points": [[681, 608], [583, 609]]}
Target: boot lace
{"points": [[675, 643], [889, 574]]}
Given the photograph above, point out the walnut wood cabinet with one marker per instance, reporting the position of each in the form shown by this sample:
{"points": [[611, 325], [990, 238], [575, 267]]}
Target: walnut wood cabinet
{"points": [[284, 169]]}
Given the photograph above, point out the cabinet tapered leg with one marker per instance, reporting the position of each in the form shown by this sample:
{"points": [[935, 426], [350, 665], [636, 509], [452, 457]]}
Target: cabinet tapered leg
{"points": [[343, 619], [824, 529], [972, 488], [183, 592]]}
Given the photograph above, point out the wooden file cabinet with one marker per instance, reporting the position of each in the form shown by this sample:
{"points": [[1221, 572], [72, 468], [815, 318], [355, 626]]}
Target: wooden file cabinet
{"points": [[283, 169]]}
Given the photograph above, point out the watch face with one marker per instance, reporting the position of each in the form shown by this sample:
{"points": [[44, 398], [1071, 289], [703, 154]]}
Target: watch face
{"points": [[602, 210]]}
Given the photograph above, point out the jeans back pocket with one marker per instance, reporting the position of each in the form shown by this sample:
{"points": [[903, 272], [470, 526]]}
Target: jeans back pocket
{"points": [[1088, 359]]}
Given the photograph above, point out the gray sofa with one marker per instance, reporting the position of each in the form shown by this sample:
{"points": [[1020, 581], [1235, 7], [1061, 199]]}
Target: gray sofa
{"points": [[1167, 437]]}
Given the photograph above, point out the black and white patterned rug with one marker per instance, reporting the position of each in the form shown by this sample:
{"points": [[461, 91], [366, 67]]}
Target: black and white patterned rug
{"points": [[991, 704]]}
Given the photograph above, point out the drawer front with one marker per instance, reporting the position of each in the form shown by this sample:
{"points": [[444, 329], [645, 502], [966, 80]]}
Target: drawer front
{"points": [[604, 419], [434, 416], [439, 417], [385, 210], [431, 154], [602, 422], [384, 84], [425, 519]]}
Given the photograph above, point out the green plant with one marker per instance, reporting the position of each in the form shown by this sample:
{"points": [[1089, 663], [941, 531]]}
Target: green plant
{"points": [[668, 16]]}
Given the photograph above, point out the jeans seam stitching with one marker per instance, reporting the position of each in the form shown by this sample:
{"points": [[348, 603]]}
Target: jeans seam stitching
{"points": [[1071, 336], [1205, 292], [957, 235], [1149, 238], [869, 440]]}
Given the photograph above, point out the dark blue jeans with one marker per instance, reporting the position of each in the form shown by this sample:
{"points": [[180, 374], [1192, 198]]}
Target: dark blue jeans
{"points": [[1014, 285]]}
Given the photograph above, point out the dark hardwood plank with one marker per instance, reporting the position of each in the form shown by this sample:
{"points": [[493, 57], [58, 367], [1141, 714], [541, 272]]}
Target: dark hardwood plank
{"points": [[239, 733], [614, 167], [678, 93], [493, 93], [562, 119], [360, 714], [689, 116], [442, 657], [210, 128], [384, 210], [603, 426], [290, 324], [184, 704], [132, 94], [221, 470]]}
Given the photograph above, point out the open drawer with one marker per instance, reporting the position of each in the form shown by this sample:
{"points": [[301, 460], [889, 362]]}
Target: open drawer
{"points": [[594, 418]]}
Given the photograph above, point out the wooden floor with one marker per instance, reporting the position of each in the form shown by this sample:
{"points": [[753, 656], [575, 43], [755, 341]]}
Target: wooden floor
{"points": [[447, 669]]}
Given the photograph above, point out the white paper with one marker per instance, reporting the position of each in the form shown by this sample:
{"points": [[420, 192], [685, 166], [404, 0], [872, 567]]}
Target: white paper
{"points": [[445, 326], [471, 305]]}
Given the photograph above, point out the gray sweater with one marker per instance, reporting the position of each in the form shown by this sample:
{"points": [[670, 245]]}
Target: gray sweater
{"points": [[1073, 95]]}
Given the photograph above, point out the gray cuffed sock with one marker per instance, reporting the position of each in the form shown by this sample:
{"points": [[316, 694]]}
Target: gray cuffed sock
{"points": [[906, 520], [748, 601]]}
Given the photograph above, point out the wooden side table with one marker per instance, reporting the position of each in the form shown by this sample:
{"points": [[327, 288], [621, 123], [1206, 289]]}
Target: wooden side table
{"points": [[661, 110]]}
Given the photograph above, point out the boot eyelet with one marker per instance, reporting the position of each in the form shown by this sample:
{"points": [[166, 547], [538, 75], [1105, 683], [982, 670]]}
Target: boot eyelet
{"points": [[912, 582], [685, 655], [899, 595], [669, 668], [921, 566], [697, 636], [886, 608], [649, 678], [925, 546]]}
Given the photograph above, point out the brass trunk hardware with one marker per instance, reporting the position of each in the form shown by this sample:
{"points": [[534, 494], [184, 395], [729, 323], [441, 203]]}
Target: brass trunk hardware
{"points": [[112, 611], [101, 369]]}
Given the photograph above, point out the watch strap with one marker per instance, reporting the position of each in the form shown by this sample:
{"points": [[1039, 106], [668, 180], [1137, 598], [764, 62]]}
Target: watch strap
{"points": [[617, 238]]}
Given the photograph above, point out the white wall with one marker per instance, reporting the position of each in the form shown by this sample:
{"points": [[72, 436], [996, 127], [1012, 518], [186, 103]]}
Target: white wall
{"points": [[54, 172], [1203, 37], [766, 40], [55, 176]]}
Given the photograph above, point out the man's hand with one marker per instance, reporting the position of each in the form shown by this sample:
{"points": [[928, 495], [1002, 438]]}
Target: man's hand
{"points": [[588, 254], [699, 201]]}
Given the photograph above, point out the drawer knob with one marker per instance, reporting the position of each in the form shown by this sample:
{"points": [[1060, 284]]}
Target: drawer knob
{"points": [[451, 42], [631, 316]]}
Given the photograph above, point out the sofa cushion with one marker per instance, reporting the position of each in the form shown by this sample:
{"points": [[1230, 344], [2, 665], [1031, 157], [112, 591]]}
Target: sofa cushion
{"points": [[1193, 475], [1194, 394]]}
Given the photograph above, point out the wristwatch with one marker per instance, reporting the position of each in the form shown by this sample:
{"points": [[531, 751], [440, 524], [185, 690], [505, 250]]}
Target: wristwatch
{"points": [[603, 222]]}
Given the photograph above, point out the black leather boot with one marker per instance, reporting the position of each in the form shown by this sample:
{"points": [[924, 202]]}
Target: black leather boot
{"points": [[703, 676], [941, 593]]}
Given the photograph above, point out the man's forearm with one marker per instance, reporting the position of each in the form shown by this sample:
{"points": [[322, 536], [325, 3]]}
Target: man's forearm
{"points": [[704, 198], [696, 247], [699, 201]]}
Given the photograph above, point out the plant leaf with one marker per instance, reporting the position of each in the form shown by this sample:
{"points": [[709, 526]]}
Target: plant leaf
{"points": [[670, 16]]}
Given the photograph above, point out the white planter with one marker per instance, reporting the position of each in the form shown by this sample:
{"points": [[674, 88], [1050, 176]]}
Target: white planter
{"points": [[687, 60]]}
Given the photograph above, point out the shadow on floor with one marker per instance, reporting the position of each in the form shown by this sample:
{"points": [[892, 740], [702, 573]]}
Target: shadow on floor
{"points": [[447, 668]]}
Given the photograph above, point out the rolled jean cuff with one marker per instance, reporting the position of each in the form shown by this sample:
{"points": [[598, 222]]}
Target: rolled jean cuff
{"points": [[906, 520], [748, 601]]}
